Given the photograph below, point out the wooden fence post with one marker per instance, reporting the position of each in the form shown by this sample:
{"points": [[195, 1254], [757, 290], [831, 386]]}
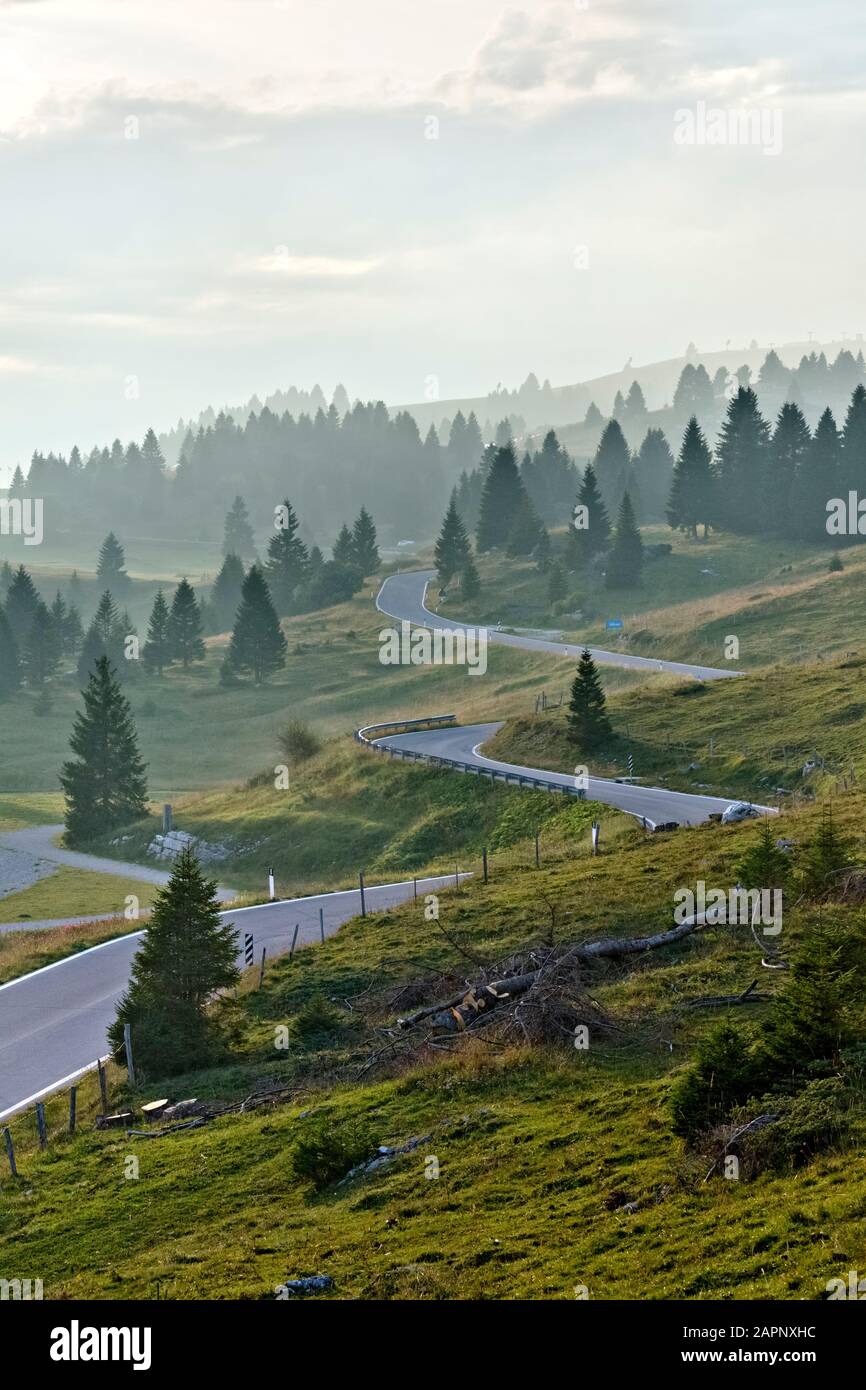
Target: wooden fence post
{"points": [[363, 896], [294, 940], [103, 1088], [73, 1105], [10, 1151], [484, 862], [322, 924], [127, 1044], [40, 1124], [262, 971], [537, 852]]}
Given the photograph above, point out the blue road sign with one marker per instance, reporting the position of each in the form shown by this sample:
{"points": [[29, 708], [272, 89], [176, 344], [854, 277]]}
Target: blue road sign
{"points": [[614, 623]]}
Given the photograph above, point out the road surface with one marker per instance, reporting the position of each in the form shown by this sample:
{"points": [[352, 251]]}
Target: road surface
{"points": [[403, 596], [53, 1022]]}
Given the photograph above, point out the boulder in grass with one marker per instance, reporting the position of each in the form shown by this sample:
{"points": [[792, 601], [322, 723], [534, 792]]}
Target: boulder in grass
{"points": [[308, 1283]]}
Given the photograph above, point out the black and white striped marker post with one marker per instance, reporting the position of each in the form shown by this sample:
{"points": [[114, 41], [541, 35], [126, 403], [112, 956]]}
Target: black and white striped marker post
{"points": [[248, 949]]}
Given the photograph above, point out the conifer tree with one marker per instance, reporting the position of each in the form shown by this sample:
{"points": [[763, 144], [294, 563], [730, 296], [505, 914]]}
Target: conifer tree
{"points": [[654, 468], [365, 550], [589, 533], [185, 626], [73, 632], [764, 865], [285, 568], [502, 497], [104, 784], [612, 464], [625, 561], [42, 649], [226, 593], [588, 723], [853, 460], [527, 529], [452, 547], [186, 957], [741, 461], [10, 670], [105, 637], [110, 568], [257, 646], [344, 550], [824, 858], [820, 1007], [787, 455], [22, 601], [817, 481], [470, 580], [238, 538], [157, 651], [692, 497]]}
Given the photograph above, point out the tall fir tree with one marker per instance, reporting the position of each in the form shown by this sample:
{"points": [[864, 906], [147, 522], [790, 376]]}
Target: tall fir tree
{"points": [[157, 651], [104, 783], [588, 723], [452, 546], [104, 637], [527, 529], [22, 600], [816, 482], [257, 646], [824, 858], [285, 568], [611, 465], [470, 580], [43, 648], [365, 549], [10, 669], [226, 593], [625, 561], [692, 501], [741, 461], [185, 626], [589, 533], [111, 565], [343, 552], [787, 454], [853, 460], [238, 538], [502, 497], [187, 956], [654, 468]]}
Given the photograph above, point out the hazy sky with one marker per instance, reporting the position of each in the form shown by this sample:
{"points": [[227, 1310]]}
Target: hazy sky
{"points": [[206, 198]]}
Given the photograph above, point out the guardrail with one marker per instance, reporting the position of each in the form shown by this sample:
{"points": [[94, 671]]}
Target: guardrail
{"points": [[436, 721]]}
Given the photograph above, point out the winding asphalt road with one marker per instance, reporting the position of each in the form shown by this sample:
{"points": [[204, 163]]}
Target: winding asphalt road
{"points": [[403, 596], [53, 1022]]}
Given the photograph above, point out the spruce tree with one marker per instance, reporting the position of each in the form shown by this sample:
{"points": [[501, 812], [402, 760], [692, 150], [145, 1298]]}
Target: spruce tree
{"points": [[612, 464], [787, 454], [105, 637], [470, 580], [502, 497], [285, 568], [853, 460], [824, 858], [257, 646], [654, 467], [344, 549], [157, 651], [110, 568], [589, 533], [73, 632], [238, 538], [10, 670], [42, 649], [365, 549], [185, 626], [820, 1007], [588, 724], [452, 547], [22, 601], [764, 865], [692, 497], [817, 481], [187, 956], [625, 561], [104, 785], [226, 593], [741, 459], [526, 531]]}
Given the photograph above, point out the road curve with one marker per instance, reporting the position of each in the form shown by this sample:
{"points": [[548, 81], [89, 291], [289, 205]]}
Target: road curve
{"points": [[53, 1022], [403, 596], [655, 805]]}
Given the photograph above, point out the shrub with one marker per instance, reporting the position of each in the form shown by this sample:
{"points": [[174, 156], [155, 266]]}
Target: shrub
{"points": [[722, 1076], [835, 566], [298, 742], [316, 1020], [324, 1154]]}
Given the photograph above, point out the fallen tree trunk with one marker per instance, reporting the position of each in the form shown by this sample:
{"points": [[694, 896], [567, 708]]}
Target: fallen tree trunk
{"points": [[748, 996], [457, 1013]]}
